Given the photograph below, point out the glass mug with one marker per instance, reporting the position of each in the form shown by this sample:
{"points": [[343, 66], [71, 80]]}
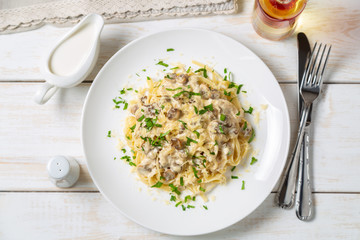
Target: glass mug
{"points": [[276, 19]]}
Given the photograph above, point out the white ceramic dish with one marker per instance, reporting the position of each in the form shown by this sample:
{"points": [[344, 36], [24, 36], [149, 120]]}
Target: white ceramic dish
{"points": [[119, 185]]}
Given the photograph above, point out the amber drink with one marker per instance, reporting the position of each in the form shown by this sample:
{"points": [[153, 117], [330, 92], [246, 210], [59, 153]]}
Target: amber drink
{"points": [[276, 19]]}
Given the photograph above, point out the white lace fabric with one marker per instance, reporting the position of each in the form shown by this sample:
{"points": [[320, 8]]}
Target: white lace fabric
{"points": [[69, 12]]}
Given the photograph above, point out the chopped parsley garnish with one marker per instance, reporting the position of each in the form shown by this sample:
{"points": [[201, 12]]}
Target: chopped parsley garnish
{"points": [[128, 137], [122, 91], [238, 114], [202, 189], [169, 49], [238, 88], [162, 178], [203, 163], [196, 110], [136, 91], [193, 198], [248, 111], [253, 160], [148, 78], [188, 70], [202, 70], [123, 150], [132, 164], [199, 181], [190, 206], [209, 107], [195, 172], [174, 68], [156, 111], [225, 78], [233, 168], [181, 181], [109, 134], [216, 143], [157, 185], [183, 123], [137, 75], [173, 198], [231, 85], [144, 70], [252, 136], [234, 177], [212, 153], [227, 93], [189, 140], [141, 118], [189, 93], [119, 101], [167, 76], [188, 197], [202, 111], [176, 205], [129, 89], [151, 122], [183, 207], [225, 70], [162, 106], [114, 158], [204, 206], [162, 64], [174, 189], [245, 126], [243, 185], [222, 117], [221, 129], [126, 106], [197, 133]]}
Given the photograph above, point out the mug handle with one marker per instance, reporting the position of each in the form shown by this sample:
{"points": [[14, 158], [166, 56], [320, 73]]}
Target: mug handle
{"points": [[45, 92]]}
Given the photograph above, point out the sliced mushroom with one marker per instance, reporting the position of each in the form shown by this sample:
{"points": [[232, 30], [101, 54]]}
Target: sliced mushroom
{"points": [[182, 78], [147, 167], [171, 77], [245, 127], [168, 175], [143, 99], [177, 143], [134, 108], [215, 94], [174, 114], [204, 91]]}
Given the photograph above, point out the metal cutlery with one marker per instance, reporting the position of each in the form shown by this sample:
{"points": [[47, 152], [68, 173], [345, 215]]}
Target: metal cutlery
{"points": [[310, 90], [304, 206]]}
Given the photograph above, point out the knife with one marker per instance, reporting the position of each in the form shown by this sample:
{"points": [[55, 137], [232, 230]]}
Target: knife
{"points": [[304, 206]]}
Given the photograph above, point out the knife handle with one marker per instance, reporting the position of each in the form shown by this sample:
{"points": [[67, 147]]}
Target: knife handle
{"points": [[304, 206]]}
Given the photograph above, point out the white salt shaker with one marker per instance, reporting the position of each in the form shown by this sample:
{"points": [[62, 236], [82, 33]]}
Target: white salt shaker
{"points": [[63, 171]]}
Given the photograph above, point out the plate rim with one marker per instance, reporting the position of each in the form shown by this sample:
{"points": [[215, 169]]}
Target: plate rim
{"points": [[277, 85]]}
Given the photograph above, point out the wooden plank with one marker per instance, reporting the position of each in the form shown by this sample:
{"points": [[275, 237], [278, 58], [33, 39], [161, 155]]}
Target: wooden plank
{"points": [[31, 134], [90, 216], [21, 54]]}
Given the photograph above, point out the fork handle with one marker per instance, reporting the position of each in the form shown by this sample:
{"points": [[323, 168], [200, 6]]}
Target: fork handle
{"points": [[304, 206], [286, 194]]}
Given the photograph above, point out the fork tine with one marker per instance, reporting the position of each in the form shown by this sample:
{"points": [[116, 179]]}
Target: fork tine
{"points": [[324, 65], [316, 78], [308, 65], [311, 79]]}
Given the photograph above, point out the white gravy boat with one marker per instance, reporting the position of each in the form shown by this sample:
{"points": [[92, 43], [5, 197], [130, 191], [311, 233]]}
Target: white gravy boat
{"points": [[72, 59]]}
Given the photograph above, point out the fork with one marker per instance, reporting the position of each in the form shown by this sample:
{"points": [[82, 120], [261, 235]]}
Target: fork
{"points": [[309, 90]]}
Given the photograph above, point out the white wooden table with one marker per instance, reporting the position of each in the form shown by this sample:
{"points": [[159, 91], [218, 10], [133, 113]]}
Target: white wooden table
{"points": [[32, 208]]}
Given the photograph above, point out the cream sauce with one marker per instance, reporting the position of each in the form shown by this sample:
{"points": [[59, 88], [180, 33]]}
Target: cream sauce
{"points": [[73, 51]]}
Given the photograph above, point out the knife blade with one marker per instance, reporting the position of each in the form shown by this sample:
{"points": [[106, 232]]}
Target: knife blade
{"points": [[303, 198]]}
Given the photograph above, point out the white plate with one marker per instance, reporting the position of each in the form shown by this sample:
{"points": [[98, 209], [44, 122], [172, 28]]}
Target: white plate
{"points": [[119, 185]]}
